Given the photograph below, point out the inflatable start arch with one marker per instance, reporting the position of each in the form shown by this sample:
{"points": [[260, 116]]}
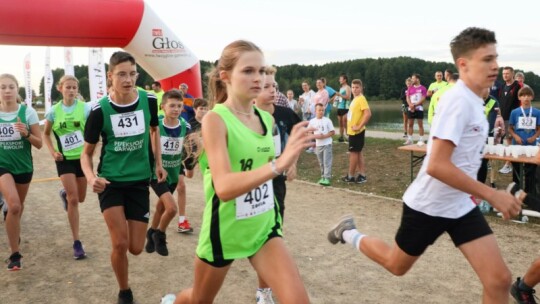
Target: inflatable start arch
{"points": [[127, 24]]}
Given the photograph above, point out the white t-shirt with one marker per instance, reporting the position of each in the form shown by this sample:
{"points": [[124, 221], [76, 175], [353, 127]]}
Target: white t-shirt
{"points": [[30, 113], [308, 96], [322, 126], [293, 104], [461, 120]]}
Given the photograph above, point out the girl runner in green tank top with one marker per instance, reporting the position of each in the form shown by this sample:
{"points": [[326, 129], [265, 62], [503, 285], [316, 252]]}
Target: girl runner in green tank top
{"points": [[67, 119], [19, 130], [241, 219]]}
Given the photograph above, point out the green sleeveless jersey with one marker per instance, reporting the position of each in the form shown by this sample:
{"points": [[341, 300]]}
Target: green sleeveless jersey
{"points": [[15, 151], [171, 150], [125, 156], [68, 130], [240, 227]]}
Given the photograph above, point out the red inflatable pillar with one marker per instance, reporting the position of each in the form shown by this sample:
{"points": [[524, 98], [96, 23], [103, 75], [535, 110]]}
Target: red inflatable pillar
{"points": [[128, 24]]}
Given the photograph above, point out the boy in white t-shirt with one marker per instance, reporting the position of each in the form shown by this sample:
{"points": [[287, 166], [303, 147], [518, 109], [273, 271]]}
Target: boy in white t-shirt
{"points": [[323, 143], [439, 200]]}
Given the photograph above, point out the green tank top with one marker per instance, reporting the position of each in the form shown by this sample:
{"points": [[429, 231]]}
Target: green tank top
{"points": [[68, 130], [343, 103], [125, 156], [15, 151], [171, 151], [240, 227]]}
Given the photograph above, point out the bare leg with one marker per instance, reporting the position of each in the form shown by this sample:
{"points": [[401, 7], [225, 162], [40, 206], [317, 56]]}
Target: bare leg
{"points": [[15, 203], [392, 258], [361, 167], [169, 211], [532, 277], [411, 127], [118, 231], [353, 163], [206, 285], [69, 182], [420, 127], [181, 190]]}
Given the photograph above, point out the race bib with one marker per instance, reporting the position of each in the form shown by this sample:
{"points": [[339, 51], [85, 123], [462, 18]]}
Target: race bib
{"points": [[527, 123], [256, 201], [8, 133], [171, 145], [72, 140], [128, 124]]}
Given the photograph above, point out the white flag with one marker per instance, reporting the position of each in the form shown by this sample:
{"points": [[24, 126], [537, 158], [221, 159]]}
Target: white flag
{"points": [[27, 82], [69, 69], [47, 80], [96, 74]]}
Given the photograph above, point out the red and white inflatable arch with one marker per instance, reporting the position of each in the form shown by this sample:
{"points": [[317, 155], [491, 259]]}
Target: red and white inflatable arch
{"points": [[128, 24]]}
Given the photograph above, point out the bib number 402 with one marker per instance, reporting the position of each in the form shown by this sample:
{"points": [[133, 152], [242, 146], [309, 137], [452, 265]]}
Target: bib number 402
{"points": [[258, 194]]}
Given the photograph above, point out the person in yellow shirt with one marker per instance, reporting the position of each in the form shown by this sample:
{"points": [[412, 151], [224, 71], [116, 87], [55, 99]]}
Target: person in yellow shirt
{"points": [[357, 118], [435, 98], [437, 85]]}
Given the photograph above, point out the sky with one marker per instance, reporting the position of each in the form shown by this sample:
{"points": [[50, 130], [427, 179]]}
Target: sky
{"points": [[317, 32]]}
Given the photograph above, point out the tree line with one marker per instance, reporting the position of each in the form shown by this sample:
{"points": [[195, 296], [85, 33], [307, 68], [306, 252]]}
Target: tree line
{"points": [[383, 78]]}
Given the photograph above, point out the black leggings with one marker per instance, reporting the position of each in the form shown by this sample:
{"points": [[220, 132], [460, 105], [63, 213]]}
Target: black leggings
{"points": [[532, 202]]}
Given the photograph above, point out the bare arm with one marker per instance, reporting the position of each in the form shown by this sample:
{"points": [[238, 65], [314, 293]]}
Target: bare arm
{"points": [[98, 183], [48, 141], [35, 136], [364, 121], [440, 166], [155, 141]]}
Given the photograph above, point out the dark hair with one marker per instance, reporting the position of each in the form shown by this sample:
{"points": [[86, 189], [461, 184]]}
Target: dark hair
{"points": [[416, 75], [217, 90], [200, 102], [357, 82], [449, 71], [471, 39], [526, 91], [120, 57], [172, 94], [156, 83], [344, 77], [455, 76], [319, 105], [323, 80], [511, 69]]}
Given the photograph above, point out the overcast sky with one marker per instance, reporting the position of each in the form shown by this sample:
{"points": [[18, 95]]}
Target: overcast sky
{"points": [[316, 32]]}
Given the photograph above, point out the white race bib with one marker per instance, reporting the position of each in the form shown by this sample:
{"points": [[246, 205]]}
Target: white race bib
{"points": [[8, 133], [171, 145], [128, 124], [72, 140], [256, 201], [527, 123]]}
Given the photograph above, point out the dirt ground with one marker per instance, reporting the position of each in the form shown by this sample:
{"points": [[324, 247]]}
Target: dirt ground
{"points": [[331, 274]]}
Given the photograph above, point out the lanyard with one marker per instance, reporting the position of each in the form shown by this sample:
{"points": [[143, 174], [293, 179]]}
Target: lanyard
{"points": [[530, 113]]}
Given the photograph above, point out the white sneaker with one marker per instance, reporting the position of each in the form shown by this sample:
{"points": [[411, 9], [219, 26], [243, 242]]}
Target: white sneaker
{"points": [[264, 296], [420, 143], [408, 142], [505, 169]]}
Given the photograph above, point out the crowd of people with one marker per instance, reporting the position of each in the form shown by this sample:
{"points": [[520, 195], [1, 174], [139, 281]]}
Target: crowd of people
{"points": [[251, 139]]}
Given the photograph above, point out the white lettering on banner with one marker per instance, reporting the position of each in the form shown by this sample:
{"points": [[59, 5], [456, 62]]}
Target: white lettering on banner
{"points": [[72, 140], [96, 73], [128, 124], [8, 133], [171, 145], [48, 80], [27, 80], [256, 201]]}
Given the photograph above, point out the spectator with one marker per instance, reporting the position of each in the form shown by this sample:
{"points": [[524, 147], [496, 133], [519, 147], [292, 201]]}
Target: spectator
{"points": [[305, 101], [520, 78], [187, 112], [293, 104], [508, 101], [281, 99], [416, 95], [331, 96], [324, 130], [437, 96], [438, 84], [321, 96], [343, 100], [158, 92], [405, 106]]}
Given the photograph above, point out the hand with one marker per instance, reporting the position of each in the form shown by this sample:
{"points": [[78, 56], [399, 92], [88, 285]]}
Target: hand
{"points": [[98, 184], [21, 128], [531, 139], [161, 174], [291, 173], [58, 156], [505, 203], [518, 140]]}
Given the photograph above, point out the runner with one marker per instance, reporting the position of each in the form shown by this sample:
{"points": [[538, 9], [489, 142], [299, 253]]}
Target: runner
{"points": [[19, 131], [128, 124], [241, 219], [67, 119]]}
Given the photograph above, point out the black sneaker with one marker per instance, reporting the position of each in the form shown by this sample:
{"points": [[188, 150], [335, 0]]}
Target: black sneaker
{"points": [[341, 139], [348, 179], [360, 179], [522, 296], [125, 297], [160, 241], [14, 262], [150, 246], [512, 188]]}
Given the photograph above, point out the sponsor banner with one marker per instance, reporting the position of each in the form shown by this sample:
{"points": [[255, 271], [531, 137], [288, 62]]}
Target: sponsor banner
{"points": [[69, 68], [157, 49], [96, 74], [48, 80], [27, 80]]}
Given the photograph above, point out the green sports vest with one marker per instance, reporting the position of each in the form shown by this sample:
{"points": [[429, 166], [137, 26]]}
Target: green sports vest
{"points": [[125, 156], [226, 234], [171, 151], [343, 103], [15, 151], [68, 130]]}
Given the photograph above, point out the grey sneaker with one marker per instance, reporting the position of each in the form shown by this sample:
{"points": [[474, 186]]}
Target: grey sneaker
{"points": [[335, 235]]}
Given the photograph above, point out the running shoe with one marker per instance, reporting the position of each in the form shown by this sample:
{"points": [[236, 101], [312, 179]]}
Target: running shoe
{"points": [[325, 182], [408, 142], [78, 250], [184, 227], [341, 139], [125, 297], [505, 169], [264, 296], [522, 296], [63, 196], [320, 182], [360, 179], [14, 262], [420, 143], [160, 241], [348, 179], [335, 235], [150, 246]]}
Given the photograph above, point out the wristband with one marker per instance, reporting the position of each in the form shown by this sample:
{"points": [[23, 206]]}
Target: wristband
{"points": [[274, 168]]}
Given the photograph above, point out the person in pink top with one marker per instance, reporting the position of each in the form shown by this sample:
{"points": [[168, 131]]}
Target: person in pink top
{"points": [[321, 96], [416, 95]]}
